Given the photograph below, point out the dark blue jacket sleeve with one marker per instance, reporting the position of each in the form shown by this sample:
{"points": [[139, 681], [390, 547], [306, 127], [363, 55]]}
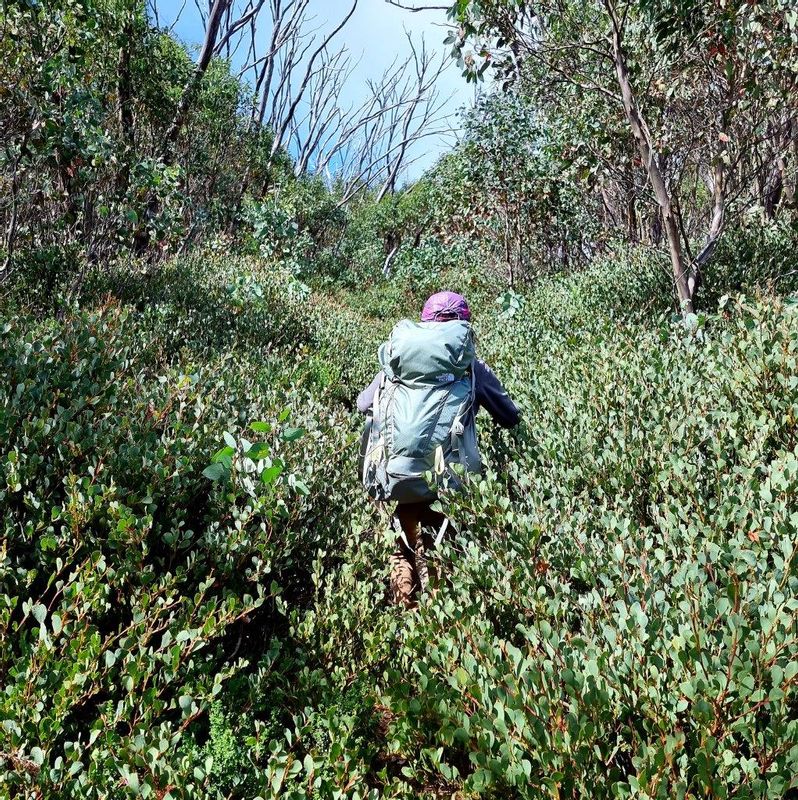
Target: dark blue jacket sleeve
{"points": [[365, 399], [493, 397]]}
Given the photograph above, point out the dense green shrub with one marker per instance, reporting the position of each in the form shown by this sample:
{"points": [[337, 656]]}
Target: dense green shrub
{"points": [[754, 258], [621, 618], [192, 583], [192, 587], [90, 90], [508, 191], [142, 532]]}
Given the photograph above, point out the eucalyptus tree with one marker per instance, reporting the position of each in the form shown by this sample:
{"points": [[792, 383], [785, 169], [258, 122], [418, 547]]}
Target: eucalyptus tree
{"points": [[706, 93], [506, 187]]}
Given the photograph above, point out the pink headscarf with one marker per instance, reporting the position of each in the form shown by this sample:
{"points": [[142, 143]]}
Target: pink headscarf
{"points": [[445, 306]]}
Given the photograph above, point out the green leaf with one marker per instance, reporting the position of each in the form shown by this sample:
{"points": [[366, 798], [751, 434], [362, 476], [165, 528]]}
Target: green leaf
{"points": [[224, 456], [40, 613], [270, 474], [301, 487], [260, 427], [292, 434], [216, 472], [258, 451]]}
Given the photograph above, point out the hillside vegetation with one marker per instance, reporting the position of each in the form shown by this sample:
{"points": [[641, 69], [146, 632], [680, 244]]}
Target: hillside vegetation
{"points": [[618, 609], [193, 583]]}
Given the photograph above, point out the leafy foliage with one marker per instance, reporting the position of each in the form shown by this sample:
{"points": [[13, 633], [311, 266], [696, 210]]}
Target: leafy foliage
{"points": [[507, 190], [193, 586], [192, 582], [89, 90], [677, 116]]}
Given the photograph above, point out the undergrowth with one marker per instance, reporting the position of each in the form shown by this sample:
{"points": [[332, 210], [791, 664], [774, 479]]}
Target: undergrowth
{"points": [[192, 583]]}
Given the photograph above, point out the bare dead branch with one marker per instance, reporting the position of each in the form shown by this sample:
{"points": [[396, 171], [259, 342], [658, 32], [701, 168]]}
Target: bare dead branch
{"points": [[291, 111], [415, 9]]}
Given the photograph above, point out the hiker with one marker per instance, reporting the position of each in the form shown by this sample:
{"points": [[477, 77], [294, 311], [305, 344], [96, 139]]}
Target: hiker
{"points": [[422, 404]]}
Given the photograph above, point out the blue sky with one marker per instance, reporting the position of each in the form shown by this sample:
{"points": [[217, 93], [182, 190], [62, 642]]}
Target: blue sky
{"points": [[375, 36]]}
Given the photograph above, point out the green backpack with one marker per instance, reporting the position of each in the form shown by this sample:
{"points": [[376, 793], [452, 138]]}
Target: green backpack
{"points": [[423, 413]]}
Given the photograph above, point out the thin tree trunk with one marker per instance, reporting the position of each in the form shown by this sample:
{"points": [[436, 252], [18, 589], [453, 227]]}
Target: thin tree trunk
{"points": [[125, 92], [609, 216], [507, 247], [631, 205], [11, 232], [715, 226], [189, 90], [655, 228], [681, 270], [389, 259], [167, 151], [791, 164]]}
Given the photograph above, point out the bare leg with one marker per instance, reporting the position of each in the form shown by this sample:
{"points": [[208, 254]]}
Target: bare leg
{"points": [[404, 575], [409, 570]]}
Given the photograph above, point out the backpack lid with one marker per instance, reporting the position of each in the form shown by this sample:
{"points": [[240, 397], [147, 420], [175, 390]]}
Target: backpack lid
{"points": [[428, 353]]}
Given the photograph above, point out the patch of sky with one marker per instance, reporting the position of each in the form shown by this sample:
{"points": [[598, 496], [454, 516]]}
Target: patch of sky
{"points": [[376, 37]]}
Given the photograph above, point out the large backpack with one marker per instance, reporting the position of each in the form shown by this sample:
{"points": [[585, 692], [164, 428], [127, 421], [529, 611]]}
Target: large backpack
{"points": [[423, 413]]}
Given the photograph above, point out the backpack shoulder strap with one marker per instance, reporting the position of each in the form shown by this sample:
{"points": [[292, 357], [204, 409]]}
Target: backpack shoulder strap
{"points": [[462, 419], [375, 405]]}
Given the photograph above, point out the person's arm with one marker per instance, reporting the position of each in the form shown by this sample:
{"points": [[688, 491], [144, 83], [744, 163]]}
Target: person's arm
{"points": [[493, 397], [365, 400]]}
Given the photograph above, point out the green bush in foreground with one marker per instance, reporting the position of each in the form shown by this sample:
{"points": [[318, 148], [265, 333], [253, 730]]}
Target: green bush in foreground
{"points": [[621, 619], [153, 480], [192, 586]]}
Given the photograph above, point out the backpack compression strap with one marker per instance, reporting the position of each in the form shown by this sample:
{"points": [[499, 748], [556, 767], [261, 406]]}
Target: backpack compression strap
{"points": [[376, 450]]}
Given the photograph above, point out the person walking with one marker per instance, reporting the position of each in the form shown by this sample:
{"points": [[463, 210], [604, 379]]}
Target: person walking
{"points": [[422, 406]]}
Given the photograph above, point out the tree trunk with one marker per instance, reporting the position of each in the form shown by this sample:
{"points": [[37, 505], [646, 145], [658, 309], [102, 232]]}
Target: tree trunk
{"points": [[631, 205], [11, 232], [189, 90], [167, 150], [389, 259], [790, 163], [715, 226], [681, 270], [125, 98], [655, 228]]}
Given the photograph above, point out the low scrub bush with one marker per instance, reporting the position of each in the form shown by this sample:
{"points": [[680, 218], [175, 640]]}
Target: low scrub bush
{"points": [[192, 586], [620, 614], [754, 258], [155, 476]]}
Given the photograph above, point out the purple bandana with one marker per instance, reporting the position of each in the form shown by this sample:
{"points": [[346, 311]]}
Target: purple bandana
{"points": [[445, 306]]}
